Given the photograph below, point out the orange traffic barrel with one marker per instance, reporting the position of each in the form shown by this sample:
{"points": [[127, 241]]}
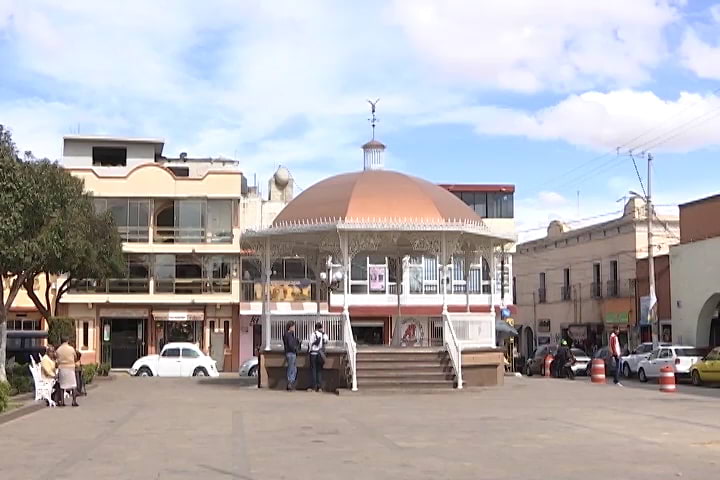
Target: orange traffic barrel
{"points": [[597, 371], [548, 363], [667, 379]]}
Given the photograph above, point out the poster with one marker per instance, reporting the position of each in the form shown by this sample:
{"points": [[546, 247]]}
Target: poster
{"points": [[377, 278], [411, 332]]}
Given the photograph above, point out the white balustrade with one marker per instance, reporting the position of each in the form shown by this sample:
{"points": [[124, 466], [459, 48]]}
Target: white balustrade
{"points": [[453, 348], [476, 330], [351, 349], [333, 326]]}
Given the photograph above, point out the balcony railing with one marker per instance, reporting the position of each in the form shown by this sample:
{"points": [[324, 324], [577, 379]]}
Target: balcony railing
{"points": [[112, 285], [185, 286], [542, 295], [190, 235], [566, 293], [596, 290], [134, 234], [612, 288]]}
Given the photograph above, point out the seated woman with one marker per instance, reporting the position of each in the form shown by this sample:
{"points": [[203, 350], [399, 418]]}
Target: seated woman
{"points": [[48, 369]]}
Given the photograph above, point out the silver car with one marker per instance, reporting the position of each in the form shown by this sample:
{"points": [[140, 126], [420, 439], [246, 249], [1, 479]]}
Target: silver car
{"points": [[249, 368]]}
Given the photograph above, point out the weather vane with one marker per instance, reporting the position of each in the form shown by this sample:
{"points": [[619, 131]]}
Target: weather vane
{"points": [[373, 121]]}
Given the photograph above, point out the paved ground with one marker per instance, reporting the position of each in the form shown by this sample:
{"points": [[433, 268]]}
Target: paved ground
{"points": [[684, 386], [530, 429]]}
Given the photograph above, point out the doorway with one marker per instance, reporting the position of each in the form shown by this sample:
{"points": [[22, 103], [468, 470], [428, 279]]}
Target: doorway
{"points": [[123, 341]]}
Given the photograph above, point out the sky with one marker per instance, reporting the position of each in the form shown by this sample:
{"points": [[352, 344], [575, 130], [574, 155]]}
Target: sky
{"points": [[556, 97]]}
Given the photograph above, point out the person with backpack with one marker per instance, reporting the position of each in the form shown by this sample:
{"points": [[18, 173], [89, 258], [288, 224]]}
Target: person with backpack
{"points": [[316, 348], [292, 346]]}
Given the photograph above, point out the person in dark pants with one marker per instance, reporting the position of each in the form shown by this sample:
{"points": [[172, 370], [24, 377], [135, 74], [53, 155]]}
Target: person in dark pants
{"points": [[616, 352], [316, 348], [292, 346]]}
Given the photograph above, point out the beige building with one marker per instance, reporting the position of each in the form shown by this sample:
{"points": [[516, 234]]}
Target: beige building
{"points": [[694, 264], [576, 284], [181, 220]]}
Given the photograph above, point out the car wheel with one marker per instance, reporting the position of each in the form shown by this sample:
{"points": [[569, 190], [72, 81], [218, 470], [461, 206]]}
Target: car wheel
{"points": [[641, 375], [200, 372], [696, 380], [253, 372], [626, 371], [144, 372]]}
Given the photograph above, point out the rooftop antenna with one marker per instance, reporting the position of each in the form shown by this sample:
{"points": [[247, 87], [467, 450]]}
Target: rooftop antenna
{"points": [[373, 121]]}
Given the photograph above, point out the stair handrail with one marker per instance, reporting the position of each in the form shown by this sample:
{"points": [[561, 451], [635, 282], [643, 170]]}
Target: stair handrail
{"points": [[351, 349], [453, 348]]}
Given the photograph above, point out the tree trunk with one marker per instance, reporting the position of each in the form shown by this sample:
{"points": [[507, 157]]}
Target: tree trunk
{"points": [[44, 311], [62, 290], [5, 304]]}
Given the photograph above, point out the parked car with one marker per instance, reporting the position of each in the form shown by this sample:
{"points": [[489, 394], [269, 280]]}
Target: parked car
{"points": [[631, 362], [680, 357], [176, 359], [536, 362], [607, 358], [249, 368], [582, 360], [707, 370]]}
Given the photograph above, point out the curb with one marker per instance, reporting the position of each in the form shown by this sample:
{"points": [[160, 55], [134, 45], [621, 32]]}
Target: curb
{"points": [[34, 406]]}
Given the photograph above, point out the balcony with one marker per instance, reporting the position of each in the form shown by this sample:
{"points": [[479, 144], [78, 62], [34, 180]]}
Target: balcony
{"points": [[621, 288], [190, 286], [542, 295], [112, 285], [566, 293], [596, 290]]}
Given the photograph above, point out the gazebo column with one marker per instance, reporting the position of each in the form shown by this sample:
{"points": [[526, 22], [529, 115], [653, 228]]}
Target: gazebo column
{"points": [[467, 262], [443, 270], [267, 272], [345, 249], [493, 275]]}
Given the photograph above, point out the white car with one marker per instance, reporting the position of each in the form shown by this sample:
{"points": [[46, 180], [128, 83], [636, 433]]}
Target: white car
{"points": [[249, 368], [630, 363], [176, 360], [582, 360], [680, 357]]}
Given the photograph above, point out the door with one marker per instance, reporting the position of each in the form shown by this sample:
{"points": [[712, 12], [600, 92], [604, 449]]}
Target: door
{"points": [[665, 359], [170, 363], [124, 342], [650, 365], [189, 361]]}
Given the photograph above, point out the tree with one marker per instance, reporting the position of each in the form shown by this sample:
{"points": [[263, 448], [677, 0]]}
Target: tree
{"points": [[49, 228]]}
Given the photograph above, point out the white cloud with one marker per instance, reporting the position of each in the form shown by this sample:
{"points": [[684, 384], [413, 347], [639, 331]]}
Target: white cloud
{"points": [[552, 198], [604, 121], [526, 45], [700, 57]]}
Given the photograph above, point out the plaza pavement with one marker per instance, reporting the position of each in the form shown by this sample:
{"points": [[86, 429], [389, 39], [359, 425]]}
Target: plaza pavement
{"points": [[532, 428]]}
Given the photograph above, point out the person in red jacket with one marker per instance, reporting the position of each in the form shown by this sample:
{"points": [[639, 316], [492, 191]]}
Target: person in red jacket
{"points": [[616, 352]]}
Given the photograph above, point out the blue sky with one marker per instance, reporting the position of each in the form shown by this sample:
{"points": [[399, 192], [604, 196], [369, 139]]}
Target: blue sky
{"points": [[522, 92]]}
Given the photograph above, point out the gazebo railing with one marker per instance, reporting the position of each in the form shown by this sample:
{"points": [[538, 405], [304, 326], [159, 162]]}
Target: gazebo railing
{"points": [[333, 326], [476, 330], [453, 348]]}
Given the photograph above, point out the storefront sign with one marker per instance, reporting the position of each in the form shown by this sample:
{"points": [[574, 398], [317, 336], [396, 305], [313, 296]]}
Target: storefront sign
{"points": [[124, 313], [377, 279], [179, 315], [578, 332], [617, 318]]}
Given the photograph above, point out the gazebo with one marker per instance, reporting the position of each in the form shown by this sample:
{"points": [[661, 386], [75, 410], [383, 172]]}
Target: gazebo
{"points": [[384, 213]]}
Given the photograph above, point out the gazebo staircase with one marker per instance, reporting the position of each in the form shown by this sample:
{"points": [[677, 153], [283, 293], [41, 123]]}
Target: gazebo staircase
{"points": [[404, 368]]}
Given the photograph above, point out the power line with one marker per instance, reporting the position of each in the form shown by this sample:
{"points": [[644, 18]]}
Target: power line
{"points": [[572, 221]]}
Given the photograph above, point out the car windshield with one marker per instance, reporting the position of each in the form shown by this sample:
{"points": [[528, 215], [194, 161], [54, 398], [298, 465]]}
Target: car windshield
{"points": [[578, 353], [688, 352]]}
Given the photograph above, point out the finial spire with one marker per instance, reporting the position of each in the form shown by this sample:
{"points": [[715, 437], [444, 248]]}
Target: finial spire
{"points": [[373, 121]]}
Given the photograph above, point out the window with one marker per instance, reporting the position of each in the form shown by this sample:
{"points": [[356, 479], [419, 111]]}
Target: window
{"points": [[131, 216], [655, 354], [109, 156], [613, 282], [542, 297], [136, 280], [226, 333], [566, 285], [86, 335], [514, 289], [665, 353], [220, 221], [212, 326], [179, 171], [596, 286], [171, 353], [500, 205], [189, 353], [475, 200]]}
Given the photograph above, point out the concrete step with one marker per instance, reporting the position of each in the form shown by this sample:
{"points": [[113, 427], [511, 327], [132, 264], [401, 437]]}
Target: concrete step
{"points": [[394, 383], [402, 375], [363, 365], [407, 357]]}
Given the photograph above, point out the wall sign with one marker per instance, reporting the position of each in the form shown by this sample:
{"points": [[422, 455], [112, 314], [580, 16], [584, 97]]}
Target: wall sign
{"points": [[544, 326]]}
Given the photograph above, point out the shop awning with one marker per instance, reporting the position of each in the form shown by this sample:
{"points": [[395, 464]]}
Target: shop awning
{"points": [[504, 328], [178, 315]]}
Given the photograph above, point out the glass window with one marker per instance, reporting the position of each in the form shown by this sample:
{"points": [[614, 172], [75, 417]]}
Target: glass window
{"points": [[226, 333], [219, 220], [665, 353], [189, 220], [688, 352], [118, 208], [171, 353], [654, 355], [189, 353], [358, 270], [294, 268], [86, 335], [251, 269]]}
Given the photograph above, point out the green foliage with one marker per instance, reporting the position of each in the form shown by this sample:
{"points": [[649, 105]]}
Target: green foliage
{"points": [[103, 370], [58, 327], [89, 372], [4, 396], [20, 379]]}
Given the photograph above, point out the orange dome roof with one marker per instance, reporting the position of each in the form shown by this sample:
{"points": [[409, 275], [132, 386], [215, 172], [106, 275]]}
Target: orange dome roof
{"points": [[376, 196]]}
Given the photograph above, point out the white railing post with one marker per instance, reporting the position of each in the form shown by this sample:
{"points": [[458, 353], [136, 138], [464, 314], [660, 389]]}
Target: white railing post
{"points": [[453, 348], [351, 349]]}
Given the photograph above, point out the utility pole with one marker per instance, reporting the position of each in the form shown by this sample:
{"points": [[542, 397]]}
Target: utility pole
{"points": [[651, 259]]}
